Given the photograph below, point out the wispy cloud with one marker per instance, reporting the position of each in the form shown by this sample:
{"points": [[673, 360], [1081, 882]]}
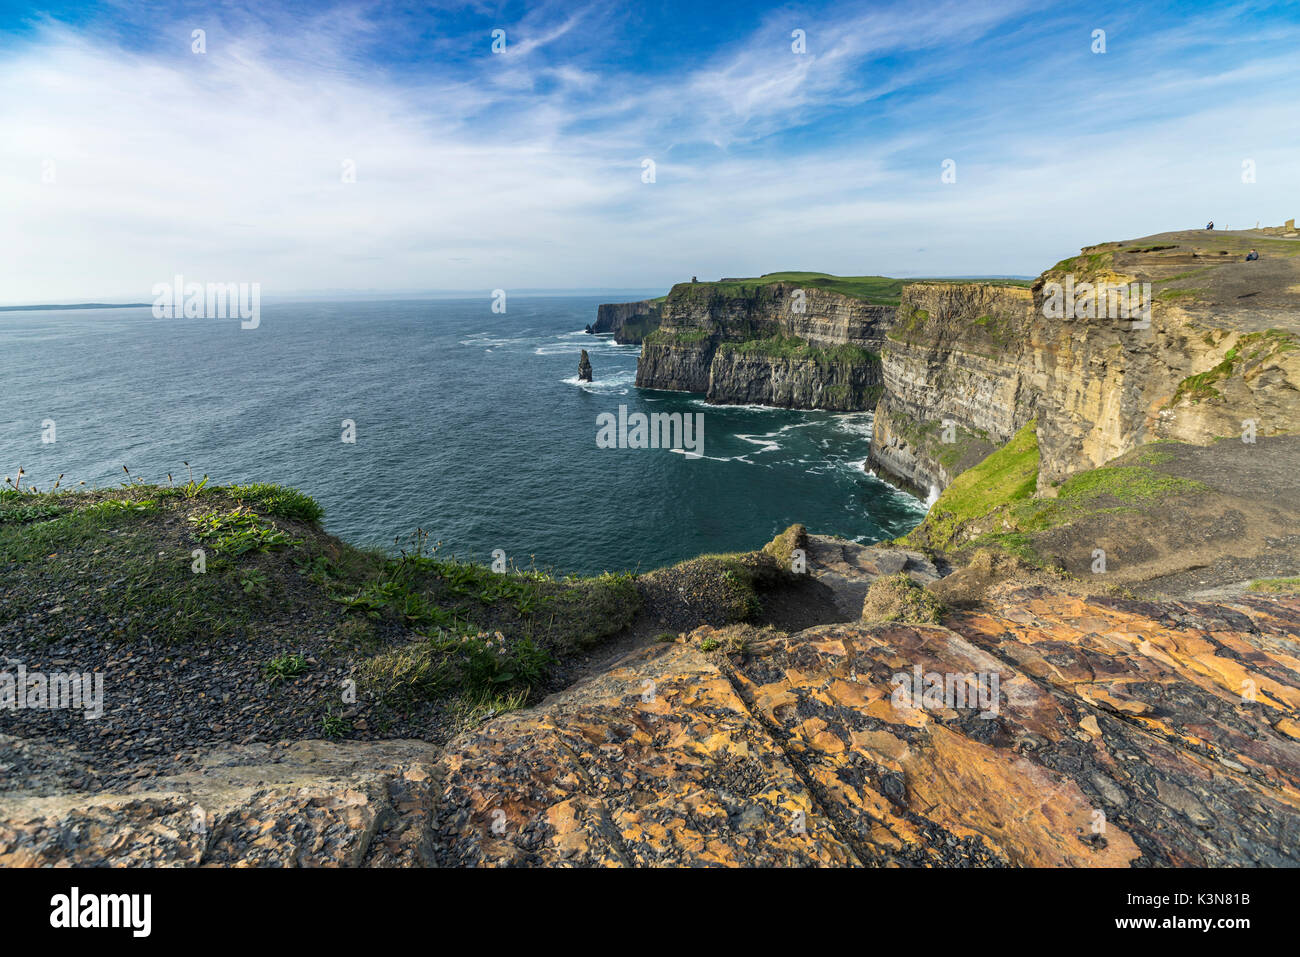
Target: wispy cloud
{"points": [[524, 169]]}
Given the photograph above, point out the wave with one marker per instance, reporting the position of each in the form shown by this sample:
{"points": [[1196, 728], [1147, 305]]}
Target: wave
{"points": [[932, 497], [714, 407], [617, 384], [766, 441], [711, 458], [856, 423], [491, 341]]}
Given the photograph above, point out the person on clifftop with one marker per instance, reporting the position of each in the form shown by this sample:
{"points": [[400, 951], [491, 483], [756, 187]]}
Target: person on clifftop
{"points": [[1209, 225], [1251, 256]]}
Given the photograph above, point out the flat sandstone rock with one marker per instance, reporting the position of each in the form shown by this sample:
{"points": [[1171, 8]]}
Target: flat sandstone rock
{"points": [[1121, 732]]}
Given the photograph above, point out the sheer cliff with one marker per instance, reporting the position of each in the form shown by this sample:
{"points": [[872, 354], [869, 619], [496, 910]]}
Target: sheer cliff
{"points": [[628, 321], [790, 343], [966, 365]]}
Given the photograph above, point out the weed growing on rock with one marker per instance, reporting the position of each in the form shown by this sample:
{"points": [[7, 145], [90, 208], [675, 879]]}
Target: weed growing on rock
{"points": [[284, 667], [898, 598]]}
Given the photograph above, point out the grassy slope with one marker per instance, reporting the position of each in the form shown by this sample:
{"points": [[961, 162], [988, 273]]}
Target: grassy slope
{"points": [[281, 606], [1008, 475], [992, 503], [119, 565]]}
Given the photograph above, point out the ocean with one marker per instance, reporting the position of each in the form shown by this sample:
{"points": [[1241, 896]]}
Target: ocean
{"points": [[469, 424]]}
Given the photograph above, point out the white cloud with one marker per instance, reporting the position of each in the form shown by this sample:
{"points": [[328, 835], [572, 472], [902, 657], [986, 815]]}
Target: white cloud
{"points": [[227, 166]]}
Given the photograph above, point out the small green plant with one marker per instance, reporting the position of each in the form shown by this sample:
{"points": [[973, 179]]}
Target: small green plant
{"points": [[284, 667], [253, 580], [334, 725], [710, 644], [491, 661], [239, 531], [318, 569], [191, 489], [118, 506], [279, 501]]}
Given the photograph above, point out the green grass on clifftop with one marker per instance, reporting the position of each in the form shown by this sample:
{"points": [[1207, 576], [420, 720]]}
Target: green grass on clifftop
{"points": [[246, 575], [877, 290]]}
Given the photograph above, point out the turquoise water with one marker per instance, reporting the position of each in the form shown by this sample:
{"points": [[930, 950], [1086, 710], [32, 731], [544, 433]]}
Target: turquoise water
{"points": [[469, 424]]}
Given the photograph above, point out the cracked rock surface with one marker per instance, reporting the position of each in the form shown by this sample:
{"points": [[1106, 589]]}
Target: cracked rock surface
{"points": [[1125, 733]]}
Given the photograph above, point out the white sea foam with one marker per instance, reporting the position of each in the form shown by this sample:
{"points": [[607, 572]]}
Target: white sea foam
{"points": [[932, 497], [616, 384], [766, 441], [714, 407], [711, 458], [856, 423], [490, 343]]}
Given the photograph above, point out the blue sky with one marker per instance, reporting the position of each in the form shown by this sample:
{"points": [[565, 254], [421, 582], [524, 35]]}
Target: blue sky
{"points": [[129, 158]]}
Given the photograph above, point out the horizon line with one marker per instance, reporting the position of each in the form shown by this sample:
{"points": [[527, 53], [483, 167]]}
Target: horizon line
{"points": [[377, 295]]}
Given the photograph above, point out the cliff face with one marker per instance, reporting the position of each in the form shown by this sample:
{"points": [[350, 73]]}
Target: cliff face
{"points": [[957, 382], [736, 377], [1220, 350], [675, 364], [775, 344], [628, 321]]}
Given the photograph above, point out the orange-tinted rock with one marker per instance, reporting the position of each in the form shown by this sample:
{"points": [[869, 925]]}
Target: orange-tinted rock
{"points": [[657, 762], [1118, 737], [1117, 732]]}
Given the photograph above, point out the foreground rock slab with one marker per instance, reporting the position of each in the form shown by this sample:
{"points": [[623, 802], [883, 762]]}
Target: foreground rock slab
{"points": [[1040, 728], [658, 761], [1120, 737], [309, 804]]}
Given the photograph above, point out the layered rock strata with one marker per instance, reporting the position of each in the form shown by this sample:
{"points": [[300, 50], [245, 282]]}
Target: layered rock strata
{"points": [[771, 344], [628, 321], [1122, 733], [1219, 357]]}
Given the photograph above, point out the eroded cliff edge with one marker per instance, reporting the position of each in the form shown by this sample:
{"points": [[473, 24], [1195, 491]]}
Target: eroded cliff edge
{"points": [[629, 322], [1219, 353], [791, 343]]}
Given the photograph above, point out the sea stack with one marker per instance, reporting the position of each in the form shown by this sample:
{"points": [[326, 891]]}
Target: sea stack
{"points": [[584, 368]]}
